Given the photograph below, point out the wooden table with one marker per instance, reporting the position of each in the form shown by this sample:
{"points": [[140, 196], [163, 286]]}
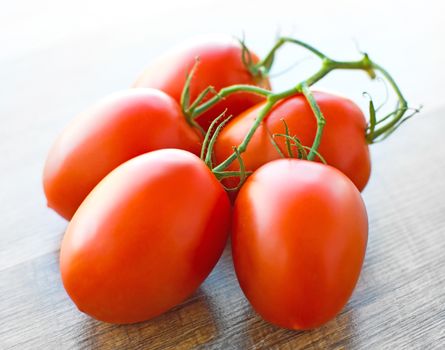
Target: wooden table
{"points": [[55, 67]]}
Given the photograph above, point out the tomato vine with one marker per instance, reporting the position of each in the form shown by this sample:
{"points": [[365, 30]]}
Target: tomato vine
{"points": [[378, 128]]}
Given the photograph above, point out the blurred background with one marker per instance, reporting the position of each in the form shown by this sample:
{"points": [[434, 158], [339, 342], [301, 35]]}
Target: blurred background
{"points": [[57, 57], [109, 42]]}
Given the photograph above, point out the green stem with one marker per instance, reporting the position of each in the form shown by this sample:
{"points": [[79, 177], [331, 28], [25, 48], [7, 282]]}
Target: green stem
{"points": [[224, 174], [202, 96], [185, 99], [226, 92], [243, 145], [321, 121], [402, 107], [328, 65], [286, 140], [265, 64]]}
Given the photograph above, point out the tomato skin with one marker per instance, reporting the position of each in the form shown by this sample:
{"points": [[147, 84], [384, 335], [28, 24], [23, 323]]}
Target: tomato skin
{"points": [[220, 65], [116, 129], [343, 144], [299, 237], [145, 238]]}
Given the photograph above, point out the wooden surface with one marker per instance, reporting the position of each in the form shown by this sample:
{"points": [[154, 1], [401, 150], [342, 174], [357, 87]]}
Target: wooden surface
{"points": [[52, 67]]}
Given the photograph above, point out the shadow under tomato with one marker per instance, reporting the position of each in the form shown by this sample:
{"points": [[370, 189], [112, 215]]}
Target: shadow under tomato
{"points": [[186, 326], [261, 334], [196, 323]]}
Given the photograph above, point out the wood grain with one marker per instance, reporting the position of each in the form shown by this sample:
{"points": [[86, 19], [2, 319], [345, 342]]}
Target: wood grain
{"points": [[399, 302]]}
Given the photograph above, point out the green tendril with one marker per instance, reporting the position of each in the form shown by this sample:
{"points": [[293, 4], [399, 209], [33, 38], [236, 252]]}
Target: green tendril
{"points": [[295, 142], [396, 126], [372, 118], [185, 95], [321, 121], [201, 97], [242, 170], [246, 58], [225, 174], [288, 144], [209, 133], [317, 154], [274, 143], [211, 143], [185, 99]]}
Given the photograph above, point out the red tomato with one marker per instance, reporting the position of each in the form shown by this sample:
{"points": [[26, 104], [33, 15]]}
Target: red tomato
{"points": [[145, 238], [298, 241], [220, 66], [116, 129], [343, 144]]}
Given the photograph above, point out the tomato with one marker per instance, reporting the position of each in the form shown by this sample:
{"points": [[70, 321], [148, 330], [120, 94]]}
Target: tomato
{"points": [[298, 241], [145, 238], [114, 130], [220, 66], [343, 144]]}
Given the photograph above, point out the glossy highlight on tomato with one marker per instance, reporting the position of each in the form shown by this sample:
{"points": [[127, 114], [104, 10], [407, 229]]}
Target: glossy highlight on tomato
{"points": [[114, 130], [145, 238], [299, 237], [220, 65], [343, 144]]}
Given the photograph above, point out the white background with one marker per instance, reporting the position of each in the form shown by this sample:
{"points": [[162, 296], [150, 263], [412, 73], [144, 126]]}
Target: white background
{"points": [[407, 37]]}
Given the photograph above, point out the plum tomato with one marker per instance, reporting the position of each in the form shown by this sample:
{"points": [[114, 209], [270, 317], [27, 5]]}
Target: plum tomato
{"points": [[145, 238], [114, 130], [343, 144], [220, 65], [299, 238]]}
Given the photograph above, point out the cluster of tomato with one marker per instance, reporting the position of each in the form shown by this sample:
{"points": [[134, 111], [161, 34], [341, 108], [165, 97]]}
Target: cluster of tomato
{"points": [[149, 219]]}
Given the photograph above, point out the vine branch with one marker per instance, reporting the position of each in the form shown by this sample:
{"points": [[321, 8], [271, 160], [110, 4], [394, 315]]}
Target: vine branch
{"points": [[377, 129]]}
